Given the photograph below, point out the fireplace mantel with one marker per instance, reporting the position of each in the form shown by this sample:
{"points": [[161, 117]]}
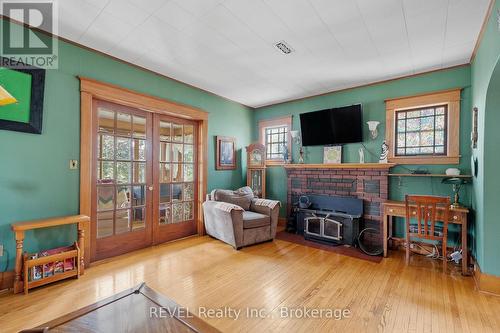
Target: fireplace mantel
{"points": [[377, 166]]}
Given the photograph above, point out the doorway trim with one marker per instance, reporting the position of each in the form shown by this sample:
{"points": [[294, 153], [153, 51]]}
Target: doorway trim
{"points": [[90, 90]]}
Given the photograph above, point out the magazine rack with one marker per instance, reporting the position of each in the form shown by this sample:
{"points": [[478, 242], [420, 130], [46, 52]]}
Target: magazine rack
{"points": [[76, 252], [63, 264]]}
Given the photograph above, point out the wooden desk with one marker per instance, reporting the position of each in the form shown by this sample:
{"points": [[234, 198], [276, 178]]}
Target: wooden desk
{"points": [[20, 227], [398, 209]]}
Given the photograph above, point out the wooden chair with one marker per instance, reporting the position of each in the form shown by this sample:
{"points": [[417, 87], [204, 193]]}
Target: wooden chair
{"points": [[423, 209]]}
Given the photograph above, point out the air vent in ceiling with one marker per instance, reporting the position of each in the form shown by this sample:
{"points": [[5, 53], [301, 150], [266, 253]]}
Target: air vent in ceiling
{"points": [[284, 47]]}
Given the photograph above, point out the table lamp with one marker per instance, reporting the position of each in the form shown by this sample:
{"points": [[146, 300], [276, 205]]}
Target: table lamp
{"points": [[457, 185]]}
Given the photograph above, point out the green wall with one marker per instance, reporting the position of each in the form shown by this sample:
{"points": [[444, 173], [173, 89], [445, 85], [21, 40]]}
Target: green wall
{"points": [[35, 179], [485, 79], [373, 97]]}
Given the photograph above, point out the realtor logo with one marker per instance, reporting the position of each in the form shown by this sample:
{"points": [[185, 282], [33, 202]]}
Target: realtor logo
{"points": [[29, 47]]}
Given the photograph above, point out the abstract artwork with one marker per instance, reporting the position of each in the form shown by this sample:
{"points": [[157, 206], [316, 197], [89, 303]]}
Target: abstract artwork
{"points": [[21, 98]]}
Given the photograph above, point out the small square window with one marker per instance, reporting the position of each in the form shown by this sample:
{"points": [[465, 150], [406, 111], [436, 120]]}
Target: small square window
{"points": [[276, 139], [274, 134]]}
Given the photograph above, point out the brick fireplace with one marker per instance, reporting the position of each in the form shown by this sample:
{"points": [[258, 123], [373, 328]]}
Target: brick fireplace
{"points": [[368, 181]]}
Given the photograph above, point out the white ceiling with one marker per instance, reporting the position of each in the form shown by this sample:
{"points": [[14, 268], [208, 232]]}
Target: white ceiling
{"points": [[226, 46]]}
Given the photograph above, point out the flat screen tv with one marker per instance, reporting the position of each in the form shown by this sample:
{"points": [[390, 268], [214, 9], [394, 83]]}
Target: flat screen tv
{"points": [[332, 126]]}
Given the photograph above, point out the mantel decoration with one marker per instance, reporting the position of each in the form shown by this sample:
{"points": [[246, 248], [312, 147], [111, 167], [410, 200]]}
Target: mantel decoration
{"points": [[226, 153], [384, 153], [332, 155], [361, 152], [21, 97]]}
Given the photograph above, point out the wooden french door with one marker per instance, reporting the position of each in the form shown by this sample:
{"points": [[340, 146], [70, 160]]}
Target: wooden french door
{"points": [[122, 206], [175, 171], [145, 177]]}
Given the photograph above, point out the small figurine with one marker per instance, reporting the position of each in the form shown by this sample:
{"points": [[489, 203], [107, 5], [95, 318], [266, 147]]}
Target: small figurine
{"points": [[385, 152], [361, 152], [301, 155]]}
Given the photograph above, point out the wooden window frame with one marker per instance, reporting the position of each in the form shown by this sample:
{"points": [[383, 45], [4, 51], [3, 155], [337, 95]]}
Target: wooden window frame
{"points": [[91, 90], [450, 98], [276, 122]]}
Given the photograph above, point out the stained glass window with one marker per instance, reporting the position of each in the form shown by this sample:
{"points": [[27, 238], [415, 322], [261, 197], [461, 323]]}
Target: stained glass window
{"points": [[421, 131]]}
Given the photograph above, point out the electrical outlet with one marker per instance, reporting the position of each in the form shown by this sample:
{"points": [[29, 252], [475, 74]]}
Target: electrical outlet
{"points": [[1, 250], [73, 164]]}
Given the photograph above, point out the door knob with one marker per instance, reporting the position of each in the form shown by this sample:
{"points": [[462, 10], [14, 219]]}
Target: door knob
{"points": [[151, 188]]}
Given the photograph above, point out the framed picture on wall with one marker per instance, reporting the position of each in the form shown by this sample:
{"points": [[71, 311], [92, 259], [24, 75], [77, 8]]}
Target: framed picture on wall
{"points": [[226, 153], [332, 155], [21, 97], [474, 134]]}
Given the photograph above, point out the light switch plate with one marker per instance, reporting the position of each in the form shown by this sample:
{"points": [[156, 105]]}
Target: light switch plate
{"points": [[73, 164]]}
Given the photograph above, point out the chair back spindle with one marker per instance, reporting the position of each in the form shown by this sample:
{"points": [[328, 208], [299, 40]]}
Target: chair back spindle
{"points": [[423, 209]]}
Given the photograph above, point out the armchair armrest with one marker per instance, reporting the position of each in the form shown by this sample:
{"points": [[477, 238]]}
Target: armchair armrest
{"points": [[264, 206], [267, 207], [226, 225]]}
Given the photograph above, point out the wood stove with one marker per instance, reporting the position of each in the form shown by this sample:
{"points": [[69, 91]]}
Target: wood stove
{"points": [[330, 219]]}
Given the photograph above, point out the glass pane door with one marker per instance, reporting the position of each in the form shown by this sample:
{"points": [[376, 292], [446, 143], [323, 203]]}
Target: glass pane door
{"points": [[122, 174], [145, 179], [175, 178]]}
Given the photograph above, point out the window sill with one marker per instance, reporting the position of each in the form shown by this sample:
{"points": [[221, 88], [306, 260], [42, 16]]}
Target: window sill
{"points": [[425, 159]]}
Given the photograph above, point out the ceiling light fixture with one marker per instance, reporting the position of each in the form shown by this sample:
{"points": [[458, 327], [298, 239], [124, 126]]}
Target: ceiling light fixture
{"points": [[284, 47]]}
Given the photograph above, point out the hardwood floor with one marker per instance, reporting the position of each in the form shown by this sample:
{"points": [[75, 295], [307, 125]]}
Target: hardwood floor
{"points": [[203, 272]]}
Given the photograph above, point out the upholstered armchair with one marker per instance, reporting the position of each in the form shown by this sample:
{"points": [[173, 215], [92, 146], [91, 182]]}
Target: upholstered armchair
{"points": [[239, 219]]}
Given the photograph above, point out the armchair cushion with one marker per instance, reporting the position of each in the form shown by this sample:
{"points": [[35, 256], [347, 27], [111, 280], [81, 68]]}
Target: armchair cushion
{"points": [[241, 197], [255, 220]]}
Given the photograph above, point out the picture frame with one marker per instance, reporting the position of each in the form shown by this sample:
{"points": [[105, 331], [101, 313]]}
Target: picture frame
{"points": [[332, 155], [474, 133], [26, 85], [226, 153]]}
